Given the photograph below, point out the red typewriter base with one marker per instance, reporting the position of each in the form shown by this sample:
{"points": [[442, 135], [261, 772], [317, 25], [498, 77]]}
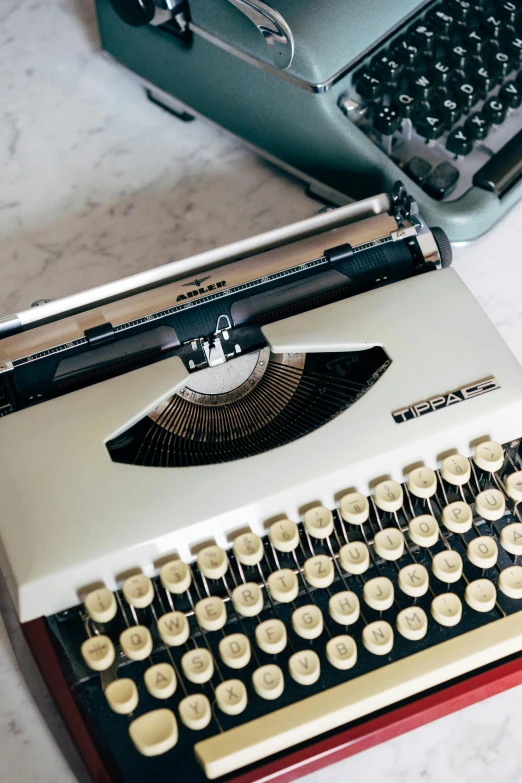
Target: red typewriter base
{"points": [[346, 742]]}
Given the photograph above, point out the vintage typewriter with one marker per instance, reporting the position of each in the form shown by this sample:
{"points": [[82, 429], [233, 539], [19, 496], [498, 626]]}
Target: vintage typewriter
{"points": [[348, 95], [260, 507]]}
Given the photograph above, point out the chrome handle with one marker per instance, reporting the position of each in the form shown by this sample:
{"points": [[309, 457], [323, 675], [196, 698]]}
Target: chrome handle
{"points": [[276, 32]]}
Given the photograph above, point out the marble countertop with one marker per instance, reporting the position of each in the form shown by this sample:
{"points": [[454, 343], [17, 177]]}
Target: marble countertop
{"points": [[96, 183]]}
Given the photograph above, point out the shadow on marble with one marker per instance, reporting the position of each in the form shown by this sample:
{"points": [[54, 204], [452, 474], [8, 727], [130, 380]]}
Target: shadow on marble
{"points": [[85, 12]]}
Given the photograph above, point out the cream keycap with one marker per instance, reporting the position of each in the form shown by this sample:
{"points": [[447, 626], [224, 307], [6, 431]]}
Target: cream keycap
{"points": [[344, 607], [354, 558], [154, 733], [341, 652], [389, 543], [138, 591], [412, 623], [490, 504], [304, 667], [457, 516], [378, 637], [211, 613], [422, 482], [446, 609], [511, 538], [447, 566], [388, 496], [319, 571], [379, 593], [101, 605], [414, 580], [98, 653], [231, 697], [319, 522], [268, 681], [283, 585], [354, 508], [248, 549], [213, 562], [456, 470], [248, 599], [176, 576], [173, 628], [424, 530], [513, 486], [136, 642], [271, 636], [489, 456], [122, 696], [195, 712], [198, 665], [483, 552], [160, 680], [235, 650], [284, 535], [307, 621], [481, 595], [510, 581]]}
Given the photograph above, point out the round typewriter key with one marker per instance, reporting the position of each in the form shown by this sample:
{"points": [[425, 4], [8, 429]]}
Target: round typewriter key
{"points": [[447, 566], [378, 637], [318, 522], [176, 576], [305, 667], [271, 636], [211, 613], [424, 530], [268, 682], [513, 486], [235, 650], [248, 549], [160, 680], [456, 470], [154, 733], [388, 496], [483, 552], [247, 599], [354, 557], [457, 516], [446, 609], [136, 642], [344, 607], [489, 456], [354, 508], [284, 535], [511, 538], [283, 585], [412, 623], [510, 581], [122, 696], [490, 504], [422, 482], [213, 562], [414, 580], [481, 595], [101, 605], [231, 697], [195, 712], [307, 621], [389, 543], [98, 653], [138, 591], [379, 593], [341, 652], [173, 628], [319, 571], [198, 665]]}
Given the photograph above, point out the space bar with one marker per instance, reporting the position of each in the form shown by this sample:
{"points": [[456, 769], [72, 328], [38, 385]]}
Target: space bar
{"points": [[504, 168], [332, 708]]}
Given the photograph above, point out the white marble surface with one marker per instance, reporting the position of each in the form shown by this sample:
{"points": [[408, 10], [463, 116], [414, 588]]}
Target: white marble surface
{"points": [[95, 184]]}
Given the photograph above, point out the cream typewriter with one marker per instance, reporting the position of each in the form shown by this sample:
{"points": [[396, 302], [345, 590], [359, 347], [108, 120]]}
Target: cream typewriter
{"points": [[260, 506]]}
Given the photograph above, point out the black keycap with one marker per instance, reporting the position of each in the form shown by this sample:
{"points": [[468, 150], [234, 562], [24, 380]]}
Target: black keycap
{"points": [[500, 63], [474, 41], [508, 12], [478, 125], [421, 86], [466, 94], [481, 77], [442, 21], [369, 86], [492, 25], [450, 111], [423, 38], [418, 169], [441, 181], [513, 45], [386, 67], [459, 141], [430, 125], [459, 56], [405, 104], [495, 109], [387, 120], [406, 53], [461, 9], [440, 73], [511, 94]]}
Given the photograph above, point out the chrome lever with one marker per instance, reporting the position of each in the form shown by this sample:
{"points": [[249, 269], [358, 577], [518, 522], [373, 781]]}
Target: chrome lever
{"points": [[274, 29]]}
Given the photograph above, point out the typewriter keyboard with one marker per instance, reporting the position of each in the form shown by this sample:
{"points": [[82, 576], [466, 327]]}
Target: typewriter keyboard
{"points": [[443, 98], [209, 667]]}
